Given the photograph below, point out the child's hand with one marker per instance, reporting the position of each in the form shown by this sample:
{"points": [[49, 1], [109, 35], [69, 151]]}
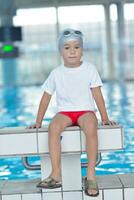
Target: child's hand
{"points": [[36, 125], [109, 122]]}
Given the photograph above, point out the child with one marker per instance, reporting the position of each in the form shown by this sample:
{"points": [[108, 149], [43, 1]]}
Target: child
{"points": [[77, 84]]}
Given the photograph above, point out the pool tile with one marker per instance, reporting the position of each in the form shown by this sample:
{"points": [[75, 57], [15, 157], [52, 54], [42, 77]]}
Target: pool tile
{"points": [[111, 194], [18, 144], [11, 197], [71, 172], [127, 180], [43, 142], [109, 181], [52, 196], [2, 183], [129, 193], [19, 187], [31, 197], [70, 141], [73, 195]]}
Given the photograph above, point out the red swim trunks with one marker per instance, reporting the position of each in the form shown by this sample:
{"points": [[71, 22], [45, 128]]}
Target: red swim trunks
{"points": [[74, 115]]}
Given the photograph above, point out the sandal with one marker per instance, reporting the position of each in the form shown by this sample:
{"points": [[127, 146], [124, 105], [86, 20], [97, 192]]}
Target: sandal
{"points": [[91, 185], [49, 183]]}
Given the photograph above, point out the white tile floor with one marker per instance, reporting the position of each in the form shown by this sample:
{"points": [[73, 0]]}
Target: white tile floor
{"points": [[119, 187]]}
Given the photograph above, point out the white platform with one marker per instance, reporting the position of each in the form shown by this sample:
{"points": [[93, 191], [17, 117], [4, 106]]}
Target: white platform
{"points": [[23, 142]]}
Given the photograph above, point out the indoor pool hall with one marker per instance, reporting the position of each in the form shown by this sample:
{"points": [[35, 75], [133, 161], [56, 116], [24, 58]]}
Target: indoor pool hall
{"points": [[30, 52]]}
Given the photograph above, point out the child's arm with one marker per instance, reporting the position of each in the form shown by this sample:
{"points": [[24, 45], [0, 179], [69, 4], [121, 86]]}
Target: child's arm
{"points": [[98, 97], [42, 110]]}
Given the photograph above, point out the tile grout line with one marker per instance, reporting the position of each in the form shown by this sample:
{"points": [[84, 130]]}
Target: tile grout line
{"points": [[102, 194], [37, 142], [122, 187], [41, 195]]}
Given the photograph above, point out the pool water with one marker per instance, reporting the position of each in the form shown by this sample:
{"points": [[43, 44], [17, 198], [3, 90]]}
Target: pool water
{"points": [[18, 107]]}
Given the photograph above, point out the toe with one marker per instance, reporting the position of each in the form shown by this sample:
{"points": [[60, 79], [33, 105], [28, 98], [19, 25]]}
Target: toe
{"points": [[92, 192]]}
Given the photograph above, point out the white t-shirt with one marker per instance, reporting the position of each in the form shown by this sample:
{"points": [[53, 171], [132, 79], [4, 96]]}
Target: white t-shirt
{"points": [[73, 86]]}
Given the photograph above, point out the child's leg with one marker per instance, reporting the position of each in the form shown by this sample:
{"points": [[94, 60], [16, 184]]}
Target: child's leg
{"points": [[88, 123], [58, 124]]}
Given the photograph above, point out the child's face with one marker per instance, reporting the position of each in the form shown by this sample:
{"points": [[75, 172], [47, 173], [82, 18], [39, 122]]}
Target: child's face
{"points": [[72, 53]]}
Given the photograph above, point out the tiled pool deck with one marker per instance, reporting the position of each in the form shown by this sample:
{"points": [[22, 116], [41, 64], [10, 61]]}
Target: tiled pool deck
{"points": [[118, 187]]}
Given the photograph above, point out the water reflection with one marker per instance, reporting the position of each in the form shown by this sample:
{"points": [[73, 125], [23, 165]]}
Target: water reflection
{"points": [[119, 98], [11, 106], [9, 69], [19, 107]]}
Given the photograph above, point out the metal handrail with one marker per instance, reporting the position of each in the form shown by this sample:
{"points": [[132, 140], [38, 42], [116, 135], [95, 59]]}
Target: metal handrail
{"points": [[99, 158], [28, 166]]}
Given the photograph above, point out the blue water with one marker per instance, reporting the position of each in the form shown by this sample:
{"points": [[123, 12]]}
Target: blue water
{"points": [[18, 107]]}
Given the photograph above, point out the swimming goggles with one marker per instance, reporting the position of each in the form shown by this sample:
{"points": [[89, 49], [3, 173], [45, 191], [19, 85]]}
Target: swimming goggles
{"points": [[68, 33]]}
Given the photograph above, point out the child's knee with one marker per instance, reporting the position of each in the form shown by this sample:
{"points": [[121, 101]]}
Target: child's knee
{"points": [[54, 127], [90, 129]]}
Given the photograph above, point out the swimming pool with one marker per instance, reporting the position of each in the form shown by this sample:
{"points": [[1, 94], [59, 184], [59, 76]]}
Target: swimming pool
{"points": [[18, 107]]}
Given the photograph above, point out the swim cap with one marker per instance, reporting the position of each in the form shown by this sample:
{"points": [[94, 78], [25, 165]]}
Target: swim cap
{"points": [[70, 35]]}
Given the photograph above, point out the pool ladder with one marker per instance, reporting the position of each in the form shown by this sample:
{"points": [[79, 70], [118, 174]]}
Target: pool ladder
{"points": [[29, 166]]}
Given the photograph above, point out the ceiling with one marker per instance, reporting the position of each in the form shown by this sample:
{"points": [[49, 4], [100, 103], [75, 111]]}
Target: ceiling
{"points": [[9, 6]]}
